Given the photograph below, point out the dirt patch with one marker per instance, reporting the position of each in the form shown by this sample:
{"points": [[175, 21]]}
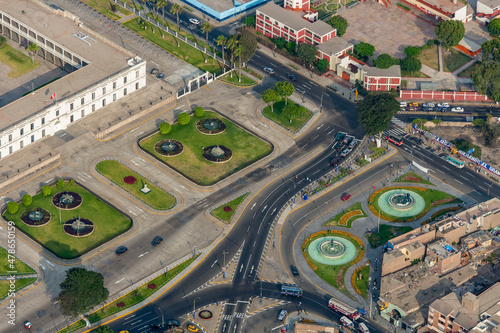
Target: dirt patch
{"points": [[340, 274], [412, 178], [442, 201]]}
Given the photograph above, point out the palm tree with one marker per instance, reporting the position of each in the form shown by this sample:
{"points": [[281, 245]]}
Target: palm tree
{"points": [[231, 43], [176, 9], [206, 28], [32, 49], [222, 41], [142, 23], [161, 4], [237, 52]]}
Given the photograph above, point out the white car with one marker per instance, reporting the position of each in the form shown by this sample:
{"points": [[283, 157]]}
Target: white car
{"points": [[194, 21], [446, 105], [457, 109], [431, 105], [402, 104], [268, 70]]}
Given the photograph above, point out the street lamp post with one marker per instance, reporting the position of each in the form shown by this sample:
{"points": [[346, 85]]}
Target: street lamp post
{"points": [[224, 268], [194, 307]]}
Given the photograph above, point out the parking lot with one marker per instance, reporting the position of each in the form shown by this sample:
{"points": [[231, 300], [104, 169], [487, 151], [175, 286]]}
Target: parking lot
{"points": [[390, 30]]}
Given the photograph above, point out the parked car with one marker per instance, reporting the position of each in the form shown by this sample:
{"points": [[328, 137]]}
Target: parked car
{"points": [[194, 21], [345, 196], [156, 241], [345, 152], [340, 136], [294, 270], [161, 76], [353, 143], [348, 139], [457, 109], [192, 328], [282, 314], [121, 250], [268, 70], [334, 161], [291, 77], [173, 323], [403, 104], [153, 71], [338, 145], [446, 105], [431, 105]]}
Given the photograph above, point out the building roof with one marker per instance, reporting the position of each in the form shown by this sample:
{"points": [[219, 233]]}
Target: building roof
{"points": [[445, 5], [104, 58], [490, 3], [491, 206], [334, 46], [294, 20], [312, 328], [393, 71]]}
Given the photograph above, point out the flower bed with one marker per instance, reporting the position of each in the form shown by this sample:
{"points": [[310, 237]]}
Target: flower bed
{"points": [[129, 180], [346, 217], [227, 209]]}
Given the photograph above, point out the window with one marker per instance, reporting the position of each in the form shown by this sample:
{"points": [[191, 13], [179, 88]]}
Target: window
{"points": [[114, 97], [82, 113], [43, 133], [93, 107], [104, 102], [286, 28], [124, 91], [114, 85], [124, 80], [21, 144], [21, 131], [43, 120], [93, 95], [292, 31], [57, 113], [276, 23], [32, 126], [104, 91], [136, 74], [10, 137], [32, 138], [137, 86], [71, 106], [10, 150], [71, 119], [82, 101]]}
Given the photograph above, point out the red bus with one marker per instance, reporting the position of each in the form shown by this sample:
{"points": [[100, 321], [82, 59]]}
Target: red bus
{"points": [[394, 139], [343, 308]]}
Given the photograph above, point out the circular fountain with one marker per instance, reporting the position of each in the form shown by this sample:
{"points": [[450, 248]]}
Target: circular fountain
{"points": [[36, 217], [78, 227], [332, 250], [401, 203], [217, 154], [169, 147], [211, 126], [67, 200]]}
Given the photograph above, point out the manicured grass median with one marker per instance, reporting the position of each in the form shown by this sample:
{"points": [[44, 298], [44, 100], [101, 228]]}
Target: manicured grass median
{"points": [[245, 80], [108, 223], [297, 122], [386, 233], [20, 284], [116, 172], [246, 149], [362, 284], [335, 220], [73, 327], [184, 51], [18, 62], [454, 59], [411, 177], [19, 266], [226, 216]]}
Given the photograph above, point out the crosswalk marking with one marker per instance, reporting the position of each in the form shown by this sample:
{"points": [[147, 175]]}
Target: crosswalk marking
{"points": [[398, 122], [396, 132]]}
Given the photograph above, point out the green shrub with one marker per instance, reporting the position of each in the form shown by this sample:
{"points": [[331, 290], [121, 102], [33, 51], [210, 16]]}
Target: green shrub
{"points": [[72, 181], [12, 207], [46, 190], [165, 128], [198, 111], [27, 200], [183, 118], [60, 183]]}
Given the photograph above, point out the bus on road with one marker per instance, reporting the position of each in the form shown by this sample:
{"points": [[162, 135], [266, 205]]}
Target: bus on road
{"points": [[291, 290], [394, 139], [455, 162], [343, 308]]}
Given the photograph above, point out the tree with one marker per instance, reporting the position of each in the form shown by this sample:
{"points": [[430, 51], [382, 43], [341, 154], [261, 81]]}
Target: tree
{"points": [[364, 50], [27, 200], [270, 97], [60, 183], [249, 43], [438, 121], [376, 112], [206, 28], [46, 190], [238, 51], [249, 21], [12, 207], [291, 46], [412, 51], [486, 78], [291, 111], [32, 49], [142, 23], [103, 329], [284, 89], [165, 128], [81, 290], [479, 123], [176, 9], [279, 42], [161, 4], [307, 52], [198, 111], [322, 65], [384, 61], [411, 64], [494, 27], [232, 43], [339, 23], [221, 41], [450, 33], [183, 118]]}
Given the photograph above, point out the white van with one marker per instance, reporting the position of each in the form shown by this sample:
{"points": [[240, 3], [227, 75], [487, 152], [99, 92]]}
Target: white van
{"points": [[347, 322], [402, 104], [362, 328]]}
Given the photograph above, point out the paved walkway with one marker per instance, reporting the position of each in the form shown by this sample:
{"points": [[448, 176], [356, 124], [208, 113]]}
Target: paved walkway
{"points": [[440, 55]]}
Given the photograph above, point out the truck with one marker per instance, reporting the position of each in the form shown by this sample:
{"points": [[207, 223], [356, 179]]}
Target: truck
{"points": [[347, 322], [343, 308], [363, 328]]}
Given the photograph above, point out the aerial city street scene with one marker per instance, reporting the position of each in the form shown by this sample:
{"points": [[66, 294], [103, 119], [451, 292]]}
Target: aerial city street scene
{"points": [[244, 166]]}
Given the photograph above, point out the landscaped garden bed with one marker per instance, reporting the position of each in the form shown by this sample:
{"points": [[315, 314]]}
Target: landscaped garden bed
{"points": [[454, 59], [108, 222], [386, 233], [226, 211], [245, 148], [411, 177], [430, 57], [297, 122], [235, 80], [359, 280], [18, 62], [347, 216], [117, 172]]}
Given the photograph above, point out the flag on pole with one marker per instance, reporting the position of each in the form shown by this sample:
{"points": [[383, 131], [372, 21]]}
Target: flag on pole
{"points": [[53, 96]]}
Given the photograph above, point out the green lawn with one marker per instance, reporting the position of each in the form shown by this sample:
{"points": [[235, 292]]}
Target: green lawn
{"points": [[430, 57], [275, 115], [108, 223], [377, 151], [18, 62], [226, 216], [411, 179], [73, 327], [254, 73], [362, 283], [139, 294], [20, 284], [415, 74], [245, 80], [246, 148], [430, 196], [469, 70], [386, 233], [185, 52], [116, 172], [104, 6], [334, 220], [454, 59], [19, 266]]}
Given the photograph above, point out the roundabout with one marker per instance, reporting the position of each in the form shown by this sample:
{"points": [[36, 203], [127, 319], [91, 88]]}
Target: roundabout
{"points": [[401, 203], [332, 250]]}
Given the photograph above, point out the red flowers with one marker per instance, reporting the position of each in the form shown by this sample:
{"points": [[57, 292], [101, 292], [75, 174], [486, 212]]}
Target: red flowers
{"points": [[120, 305], [129, 180], [152, 286], [227, 209]]}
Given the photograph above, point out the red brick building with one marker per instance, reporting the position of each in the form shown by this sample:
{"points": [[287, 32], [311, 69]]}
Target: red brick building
{"points": [[381, 79]]}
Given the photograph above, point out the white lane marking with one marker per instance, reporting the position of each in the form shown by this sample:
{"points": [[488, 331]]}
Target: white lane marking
{"points": [[48, 262], [177, 190], [314, 84], [119, 281], [141, 255], [273, 211], [253, 206], [458, 181], [306, 87], [264, 208], [482, 188], [319, 127], [445, 167], [464, 177], [477, 192], [440, 171], [470, 174]]}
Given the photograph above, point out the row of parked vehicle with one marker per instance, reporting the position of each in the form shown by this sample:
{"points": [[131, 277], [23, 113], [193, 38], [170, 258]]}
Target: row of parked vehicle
{"points": [[345, 144], [414, 106]]}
